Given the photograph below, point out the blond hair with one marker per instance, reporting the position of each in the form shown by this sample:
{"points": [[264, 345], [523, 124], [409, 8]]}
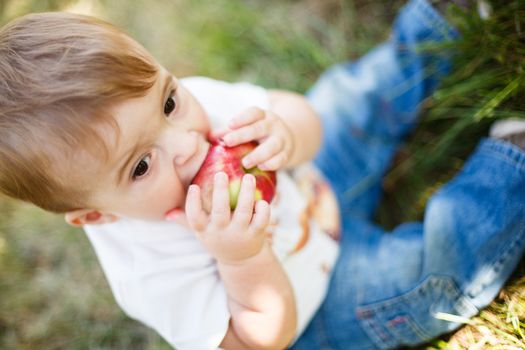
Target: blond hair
{"points": [[59, 74]]}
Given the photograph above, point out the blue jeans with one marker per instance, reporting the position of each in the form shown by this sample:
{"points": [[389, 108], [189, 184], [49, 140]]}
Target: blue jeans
{"points": [[388, 287]]}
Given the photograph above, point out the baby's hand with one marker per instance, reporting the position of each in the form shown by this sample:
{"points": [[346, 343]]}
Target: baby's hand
{"points": [[275, 139], [229, 237]]}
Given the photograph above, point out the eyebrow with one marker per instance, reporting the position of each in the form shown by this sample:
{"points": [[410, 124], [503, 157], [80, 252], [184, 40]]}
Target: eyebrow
{"points": [[130, 155]]}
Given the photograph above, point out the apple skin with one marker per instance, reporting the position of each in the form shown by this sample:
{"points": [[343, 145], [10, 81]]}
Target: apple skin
{"points": [[228, 159]]}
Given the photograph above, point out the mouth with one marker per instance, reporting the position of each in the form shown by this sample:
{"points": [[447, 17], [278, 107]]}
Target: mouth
{"points": [[200, 156]]}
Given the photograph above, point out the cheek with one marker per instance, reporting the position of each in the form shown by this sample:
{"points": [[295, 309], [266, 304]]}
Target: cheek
{"points": [[204, 124], [153, 203], [166, 195], [200, 118]]}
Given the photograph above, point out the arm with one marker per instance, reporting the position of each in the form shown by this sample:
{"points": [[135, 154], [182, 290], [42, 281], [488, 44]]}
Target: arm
{"points": [[260, 296], [301, 120], [261, 303]]}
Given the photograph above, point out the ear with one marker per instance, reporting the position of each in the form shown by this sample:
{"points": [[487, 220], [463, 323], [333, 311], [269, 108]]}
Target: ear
{"points": [[80, 217]]}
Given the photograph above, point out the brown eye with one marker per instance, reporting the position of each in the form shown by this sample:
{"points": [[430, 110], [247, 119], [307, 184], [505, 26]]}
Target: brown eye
{"points": [[142, 167], [169, 106]]}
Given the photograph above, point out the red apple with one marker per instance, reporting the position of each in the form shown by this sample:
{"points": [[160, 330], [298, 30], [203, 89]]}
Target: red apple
{"points": [[228, 159]]}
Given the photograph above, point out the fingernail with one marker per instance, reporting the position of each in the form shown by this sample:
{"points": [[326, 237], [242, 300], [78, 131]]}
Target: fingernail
{"points": [[262, 203], [246, 162], [250, 178], [221, 176]]}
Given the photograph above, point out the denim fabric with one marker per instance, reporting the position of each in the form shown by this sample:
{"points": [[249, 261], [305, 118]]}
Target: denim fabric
{"points": [[387, 287]]}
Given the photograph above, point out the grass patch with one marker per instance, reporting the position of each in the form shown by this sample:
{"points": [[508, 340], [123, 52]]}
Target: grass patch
{"points": [[486, 84]]}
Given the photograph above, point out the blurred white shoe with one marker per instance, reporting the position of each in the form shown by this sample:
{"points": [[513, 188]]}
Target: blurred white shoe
{"points": [[512, 130], [484, 9], [482, 6]]}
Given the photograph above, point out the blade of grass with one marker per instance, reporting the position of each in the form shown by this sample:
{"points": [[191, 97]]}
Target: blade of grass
{"points": [[432, 152]]}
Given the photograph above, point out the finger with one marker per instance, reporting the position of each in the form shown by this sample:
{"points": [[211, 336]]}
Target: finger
{"points": [[261, 218], [197, 218], [263, 152], [275, 163], [245, 202], [248, 133], [218, 134], [249, 116], [220, 209]]}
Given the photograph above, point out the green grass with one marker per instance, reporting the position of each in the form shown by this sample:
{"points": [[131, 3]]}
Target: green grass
{"points": [[52, 292], [488, 83]]}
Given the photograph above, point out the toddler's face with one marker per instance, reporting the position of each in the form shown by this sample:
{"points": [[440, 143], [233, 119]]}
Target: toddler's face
{"points": [[157, 152]]}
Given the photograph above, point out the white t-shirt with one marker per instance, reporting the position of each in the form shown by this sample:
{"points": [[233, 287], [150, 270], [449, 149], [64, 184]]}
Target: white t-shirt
{"points": [[160, 274]]}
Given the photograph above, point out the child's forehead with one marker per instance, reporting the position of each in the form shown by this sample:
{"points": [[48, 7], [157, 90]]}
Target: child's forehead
{"points": [[152, 99], [86, 157], [132, 118], [79, 168]]}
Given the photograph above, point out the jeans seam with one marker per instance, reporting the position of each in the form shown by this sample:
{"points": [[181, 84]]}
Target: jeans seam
{"points": [[506, 252], [506, 151], [387, 336], [413, 326], [433, 280]]}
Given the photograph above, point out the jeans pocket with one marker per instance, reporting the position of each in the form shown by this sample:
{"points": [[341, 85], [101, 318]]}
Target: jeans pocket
{"points": [[411, 318]]}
